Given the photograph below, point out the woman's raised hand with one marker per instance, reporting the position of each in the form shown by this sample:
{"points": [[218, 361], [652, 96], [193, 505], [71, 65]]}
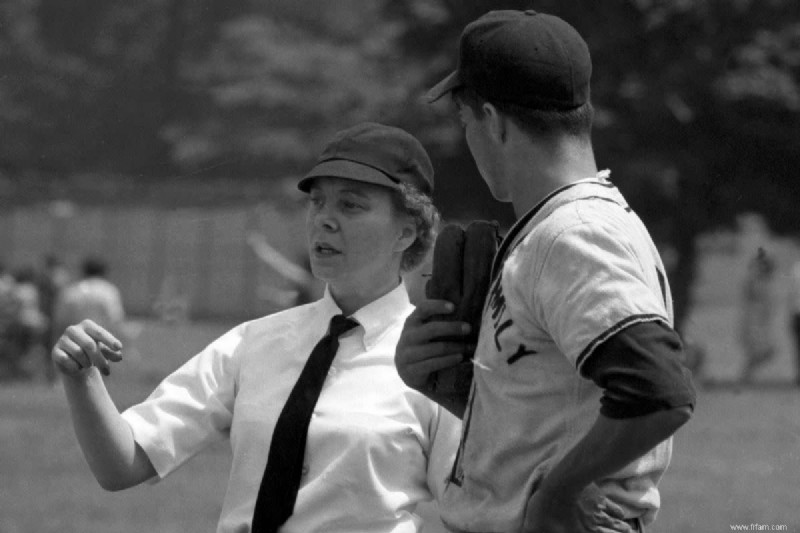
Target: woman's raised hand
{"points": [[85, 345]]}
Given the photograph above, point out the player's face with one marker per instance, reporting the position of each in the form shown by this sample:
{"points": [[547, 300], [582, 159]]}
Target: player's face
{"points": [[356, 237], [483, 150]]}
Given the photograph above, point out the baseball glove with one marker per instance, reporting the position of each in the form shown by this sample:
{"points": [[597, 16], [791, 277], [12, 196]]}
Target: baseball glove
{"points": [[462, 262]]}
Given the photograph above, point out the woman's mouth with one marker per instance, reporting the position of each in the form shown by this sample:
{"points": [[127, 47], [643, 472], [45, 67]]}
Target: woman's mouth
{"points": [[324, 249]]}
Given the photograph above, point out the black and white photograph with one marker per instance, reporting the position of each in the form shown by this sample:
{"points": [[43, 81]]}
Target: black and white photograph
{"points": [[416, 266]]}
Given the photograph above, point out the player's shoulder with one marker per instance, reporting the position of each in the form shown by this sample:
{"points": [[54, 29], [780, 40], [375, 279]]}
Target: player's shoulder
{"points": [[573, 232], [564, 221]]}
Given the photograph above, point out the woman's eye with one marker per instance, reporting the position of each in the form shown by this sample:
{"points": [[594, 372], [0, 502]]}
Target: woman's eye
{"points": [[347, 204]]}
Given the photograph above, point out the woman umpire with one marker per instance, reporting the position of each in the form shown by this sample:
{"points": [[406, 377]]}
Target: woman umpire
{"points": [[324, 434]]}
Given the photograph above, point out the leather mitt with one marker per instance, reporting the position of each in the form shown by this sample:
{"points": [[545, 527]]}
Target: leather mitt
{"points": [[462, 263]]}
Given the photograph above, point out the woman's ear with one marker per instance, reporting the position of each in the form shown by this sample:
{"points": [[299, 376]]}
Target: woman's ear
{"points": [[407, 236]]}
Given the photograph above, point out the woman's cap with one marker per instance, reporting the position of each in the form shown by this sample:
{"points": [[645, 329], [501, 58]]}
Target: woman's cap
{"points": [[525, 58], [374, 153]]}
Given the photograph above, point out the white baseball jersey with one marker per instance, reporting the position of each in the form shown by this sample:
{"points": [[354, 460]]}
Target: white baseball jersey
{"points": [[577, 268]]}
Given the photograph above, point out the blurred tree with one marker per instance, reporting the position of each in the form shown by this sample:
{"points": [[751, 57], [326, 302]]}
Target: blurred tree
{"points": [[697, 100], [278, 83], [90, 85]]}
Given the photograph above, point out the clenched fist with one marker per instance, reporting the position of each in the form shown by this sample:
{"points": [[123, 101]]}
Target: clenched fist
{"points": [[85, 345]]}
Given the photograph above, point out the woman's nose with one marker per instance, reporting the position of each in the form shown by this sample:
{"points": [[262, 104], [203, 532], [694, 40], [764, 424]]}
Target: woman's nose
{"points": [[324, 219]]}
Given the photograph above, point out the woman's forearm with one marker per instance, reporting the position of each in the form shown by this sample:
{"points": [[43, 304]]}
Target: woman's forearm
{"points": [[104, 437]]}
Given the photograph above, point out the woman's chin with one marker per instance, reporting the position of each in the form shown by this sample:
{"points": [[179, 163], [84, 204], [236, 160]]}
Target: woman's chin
{"points": [[324, 268]]}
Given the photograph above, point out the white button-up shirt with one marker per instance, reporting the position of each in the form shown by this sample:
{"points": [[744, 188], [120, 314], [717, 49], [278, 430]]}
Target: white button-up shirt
{"points": [[375, 447]]}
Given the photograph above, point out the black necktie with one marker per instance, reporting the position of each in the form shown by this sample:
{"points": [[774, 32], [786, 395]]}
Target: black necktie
{"points": [[278, 491]]}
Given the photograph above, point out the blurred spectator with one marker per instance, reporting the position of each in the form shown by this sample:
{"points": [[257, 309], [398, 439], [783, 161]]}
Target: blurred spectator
{"points": [[24, 324], [694, 357], [171, 304], [758, 314], [8, 301], [52, 279], [794, 315], [93, 297], [9, 308]]}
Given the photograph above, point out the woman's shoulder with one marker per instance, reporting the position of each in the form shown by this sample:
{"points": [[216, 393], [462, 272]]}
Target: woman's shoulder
{"points": [[282, 320]]}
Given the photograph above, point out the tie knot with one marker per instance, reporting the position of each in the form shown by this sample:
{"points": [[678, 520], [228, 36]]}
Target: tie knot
{"points": [[340, 324]]}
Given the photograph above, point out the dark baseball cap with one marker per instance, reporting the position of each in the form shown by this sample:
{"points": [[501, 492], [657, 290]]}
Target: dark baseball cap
{"points": [[525, 58], [374, 153]]}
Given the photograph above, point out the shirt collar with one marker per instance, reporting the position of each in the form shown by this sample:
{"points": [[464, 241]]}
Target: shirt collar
{"points": [[556, 198], [377, 316]]}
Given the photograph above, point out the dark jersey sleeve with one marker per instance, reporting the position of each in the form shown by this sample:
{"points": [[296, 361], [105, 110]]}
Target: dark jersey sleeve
{"points": [[640, 370]]}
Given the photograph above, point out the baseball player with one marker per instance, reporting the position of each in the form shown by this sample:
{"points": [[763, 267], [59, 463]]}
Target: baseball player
{"points": [[578, 385]]}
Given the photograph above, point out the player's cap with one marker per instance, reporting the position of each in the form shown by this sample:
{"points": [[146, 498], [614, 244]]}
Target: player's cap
{"points": [[374, 153], [525, 58]]}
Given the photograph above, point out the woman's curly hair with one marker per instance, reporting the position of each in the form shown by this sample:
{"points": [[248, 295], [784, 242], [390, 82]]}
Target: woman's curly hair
{"points": [[409, 200]]}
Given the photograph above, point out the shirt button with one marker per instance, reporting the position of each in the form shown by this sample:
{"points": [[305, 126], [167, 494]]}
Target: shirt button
{"points": [[304, 471], [332, 371]]}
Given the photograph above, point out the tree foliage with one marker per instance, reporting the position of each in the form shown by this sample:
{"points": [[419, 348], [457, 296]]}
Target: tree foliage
{"points": [[697, 101]]}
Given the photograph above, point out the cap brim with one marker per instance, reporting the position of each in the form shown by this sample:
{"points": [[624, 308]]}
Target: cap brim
{"points": [[451, 82], [345, 169]]}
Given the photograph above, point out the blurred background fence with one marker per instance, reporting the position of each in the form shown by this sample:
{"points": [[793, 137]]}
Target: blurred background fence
{"points": [[189, 261]]}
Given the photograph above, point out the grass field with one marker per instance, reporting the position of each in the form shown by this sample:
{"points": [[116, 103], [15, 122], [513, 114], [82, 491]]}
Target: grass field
{"points": [[736, 463]]}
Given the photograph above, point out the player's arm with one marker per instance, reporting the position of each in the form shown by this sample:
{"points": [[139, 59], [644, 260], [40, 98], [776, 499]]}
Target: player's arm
{"points": [[81, 354], [647, 396], [419, 354], [557, 504]]}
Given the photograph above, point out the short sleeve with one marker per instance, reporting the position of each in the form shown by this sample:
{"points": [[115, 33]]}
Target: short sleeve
{"points": [[444, 438], [191, 408], [593, 284]]}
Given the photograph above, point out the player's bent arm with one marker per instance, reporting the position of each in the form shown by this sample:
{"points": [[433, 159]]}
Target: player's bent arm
{"points": [[647, 396], [559, 504], [106, 440], [610, 445]]}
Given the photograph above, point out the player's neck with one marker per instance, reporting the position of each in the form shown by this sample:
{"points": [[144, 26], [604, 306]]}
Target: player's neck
{"points": [[543, 168]]}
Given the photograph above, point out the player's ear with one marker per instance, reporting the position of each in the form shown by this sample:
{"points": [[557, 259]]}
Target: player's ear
{"points": [[498, 128]]}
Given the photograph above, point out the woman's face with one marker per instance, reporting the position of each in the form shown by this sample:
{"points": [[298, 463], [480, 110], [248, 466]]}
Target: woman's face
{"points": [[356, 237]]}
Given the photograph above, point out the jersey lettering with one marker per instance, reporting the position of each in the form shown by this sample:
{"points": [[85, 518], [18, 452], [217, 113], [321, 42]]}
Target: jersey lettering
{"points": [[521, 352], [497, 305]]}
